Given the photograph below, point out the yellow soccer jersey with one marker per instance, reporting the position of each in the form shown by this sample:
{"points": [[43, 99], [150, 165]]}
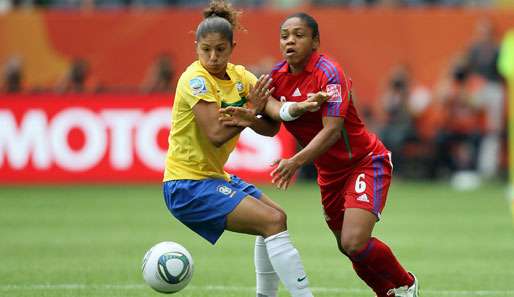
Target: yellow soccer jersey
{"points": [[190, 154]]}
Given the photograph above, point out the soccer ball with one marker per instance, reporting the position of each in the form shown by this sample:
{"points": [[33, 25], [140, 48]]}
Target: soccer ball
{"points": [[167, 267]]}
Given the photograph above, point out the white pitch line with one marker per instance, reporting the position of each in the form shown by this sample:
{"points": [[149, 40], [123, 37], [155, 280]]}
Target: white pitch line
{"points": [[12, 287]]}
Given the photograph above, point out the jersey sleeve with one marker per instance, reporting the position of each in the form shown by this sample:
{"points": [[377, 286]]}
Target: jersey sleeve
{"points": [[338, 88], [198, 88]]}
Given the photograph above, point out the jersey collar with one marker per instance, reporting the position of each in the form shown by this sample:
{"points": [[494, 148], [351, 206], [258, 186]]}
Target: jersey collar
{"points": [[311, 64]]}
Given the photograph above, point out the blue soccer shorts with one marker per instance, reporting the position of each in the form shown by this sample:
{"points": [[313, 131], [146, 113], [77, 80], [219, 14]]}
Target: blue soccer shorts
{"points": [[203, 205]]}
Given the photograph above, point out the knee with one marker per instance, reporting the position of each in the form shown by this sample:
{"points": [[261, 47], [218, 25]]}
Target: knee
{"points": [[340, 247], [275, 223], [352, 244]]}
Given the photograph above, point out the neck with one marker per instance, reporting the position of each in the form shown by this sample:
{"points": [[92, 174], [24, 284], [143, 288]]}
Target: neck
{"points": [[295, 69], [222, 75], [300, 66]]}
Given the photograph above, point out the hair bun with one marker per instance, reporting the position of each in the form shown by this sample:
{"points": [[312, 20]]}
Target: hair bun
{"points": [[222, 9]]}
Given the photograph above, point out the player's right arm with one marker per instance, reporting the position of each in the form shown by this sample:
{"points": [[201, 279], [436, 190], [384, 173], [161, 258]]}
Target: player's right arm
{"points": [[199, 94], [206, 116]]}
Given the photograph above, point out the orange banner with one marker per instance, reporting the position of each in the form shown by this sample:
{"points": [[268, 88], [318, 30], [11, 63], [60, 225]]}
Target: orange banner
{"points": [[121, 45]]}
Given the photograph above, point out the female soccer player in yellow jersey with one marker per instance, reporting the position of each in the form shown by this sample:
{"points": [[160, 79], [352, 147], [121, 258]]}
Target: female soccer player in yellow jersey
{"points": [[197, 190]]}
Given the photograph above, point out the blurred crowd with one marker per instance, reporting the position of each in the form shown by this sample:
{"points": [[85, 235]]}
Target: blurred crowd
{"points": [[454, 129], [6, 5], [159, 78]]}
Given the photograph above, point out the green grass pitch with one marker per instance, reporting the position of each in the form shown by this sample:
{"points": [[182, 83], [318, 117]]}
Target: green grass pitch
{"points": [[89, 241]]}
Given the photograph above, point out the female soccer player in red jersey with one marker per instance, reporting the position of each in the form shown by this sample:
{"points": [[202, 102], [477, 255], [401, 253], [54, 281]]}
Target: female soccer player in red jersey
{"points": [[354, 167]]}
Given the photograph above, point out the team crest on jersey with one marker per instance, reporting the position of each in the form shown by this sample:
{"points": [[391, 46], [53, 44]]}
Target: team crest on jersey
{"points": [[224, 190], [198, 86], [334, 91], [240, 87]]}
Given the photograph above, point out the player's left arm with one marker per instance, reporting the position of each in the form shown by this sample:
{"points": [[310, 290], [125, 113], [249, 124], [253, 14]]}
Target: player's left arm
{"points": [[337, 87], [326, 137]]}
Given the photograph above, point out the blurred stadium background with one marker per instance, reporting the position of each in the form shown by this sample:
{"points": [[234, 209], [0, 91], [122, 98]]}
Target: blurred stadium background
{"points": [[85, 95]]}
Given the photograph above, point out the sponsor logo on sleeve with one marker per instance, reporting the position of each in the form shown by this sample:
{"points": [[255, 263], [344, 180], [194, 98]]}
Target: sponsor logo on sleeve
{"points": [[198, 86], [334, 91]]}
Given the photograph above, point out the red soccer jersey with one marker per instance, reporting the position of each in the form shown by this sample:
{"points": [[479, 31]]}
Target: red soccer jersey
{"points": [[322, 74]]}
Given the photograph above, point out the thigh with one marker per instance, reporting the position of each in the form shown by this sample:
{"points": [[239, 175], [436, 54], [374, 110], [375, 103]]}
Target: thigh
{"points": [[252, 216], [203, 205], [357, 225], [369, 183], [332, 200], [244, 186], [267, 200], [357, 228], [253, 191]]}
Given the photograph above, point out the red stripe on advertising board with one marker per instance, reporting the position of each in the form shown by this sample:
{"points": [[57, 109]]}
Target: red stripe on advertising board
{"points": [[107, 139]]}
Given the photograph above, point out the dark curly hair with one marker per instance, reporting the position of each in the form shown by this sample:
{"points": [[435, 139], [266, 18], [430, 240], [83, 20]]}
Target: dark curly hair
{"points": [[309, 21]]}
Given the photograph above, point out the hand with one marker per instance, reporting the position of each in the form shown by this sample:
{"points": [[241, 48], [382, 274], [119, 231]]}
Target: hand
{"points": [[281, 176], [237, 116], [313, 101], [259, 94]]}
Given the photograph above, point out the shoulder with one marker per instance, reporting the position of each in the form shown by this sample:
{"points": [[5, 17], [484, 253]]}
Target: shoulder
{"points": [[241, 74], [330, 69], [195, 73], [239, 70], [195, 80], [277, 67], [195, 69]]}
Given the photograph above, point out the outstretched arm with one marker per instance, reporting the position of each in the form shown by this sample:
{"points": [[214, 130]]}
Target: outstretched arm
{"points": [[252, 116], [326, 137], [244, 117], [276, 109]]}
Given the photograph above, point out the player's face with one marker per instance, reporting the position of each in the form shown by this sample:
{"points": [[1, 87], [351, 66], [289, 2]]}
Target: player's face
{"points": [[296, 42], [214, 52]]}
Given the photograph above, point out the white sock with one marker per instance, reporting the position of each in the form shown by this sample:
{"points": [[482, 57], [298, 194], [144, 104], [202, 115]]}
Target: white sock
{"points": [[267, 278], [288, 265]]}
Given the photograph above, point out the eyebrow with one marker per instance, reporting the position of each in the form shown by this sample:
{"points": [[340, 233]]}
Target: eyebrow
{"points": [[292, 29], [215, 45]]}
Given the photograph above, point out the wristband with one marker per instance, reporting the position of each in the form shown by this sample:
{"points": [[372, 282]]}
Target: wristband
{"points": [[284, 112]]}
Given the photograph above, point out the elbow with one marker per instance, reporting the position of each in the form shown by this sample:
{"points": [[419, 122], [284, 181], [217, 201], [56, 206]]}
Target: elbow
{"points": [[215, 139], [334, 135], [273, 131], [217, 142], [275, 128]]}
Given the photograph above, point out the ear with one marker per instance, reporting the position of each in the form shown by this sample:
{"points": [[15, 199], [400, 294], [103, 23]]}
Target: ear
{"points": [[315, 43], [234, 44]]}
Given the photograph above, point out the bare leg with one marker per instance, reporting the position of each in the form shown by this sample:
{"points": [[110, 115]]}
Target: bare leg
{"points": [[266, 219], [359, 230], [367, 251]]}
